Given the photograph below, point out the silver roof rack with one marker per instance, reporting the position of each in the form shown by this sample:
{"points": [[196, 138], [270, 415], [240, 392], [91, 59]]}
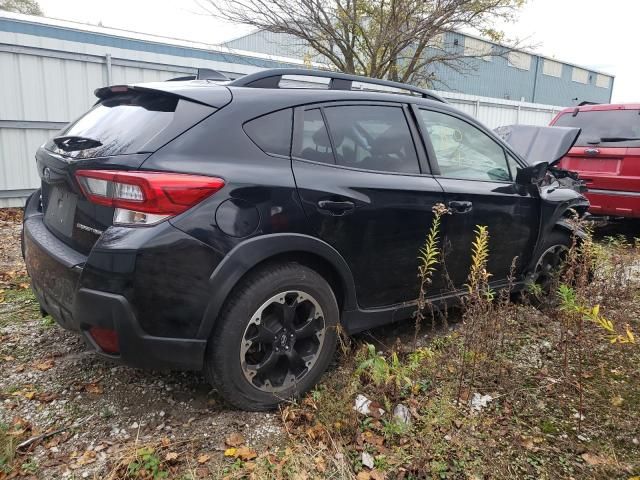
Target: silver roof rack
{"points": [[337, 81]]}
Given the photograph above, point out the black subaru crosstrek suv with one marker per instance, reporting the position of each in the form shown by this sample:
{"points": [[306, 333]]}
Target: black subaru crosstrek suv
{"points": [[230, 227]]}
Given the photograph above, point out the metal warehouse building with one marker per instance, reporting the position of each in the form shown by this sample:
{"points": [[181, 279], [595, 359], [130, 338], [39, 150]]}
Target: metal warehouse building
{"points": [[515, 75], [50, 68]]}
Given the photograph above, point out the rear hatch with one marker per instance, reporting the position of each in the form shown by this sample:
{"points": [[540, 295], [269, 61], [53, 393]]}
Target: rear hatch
{"points": [[607, 153], [120, 132]]}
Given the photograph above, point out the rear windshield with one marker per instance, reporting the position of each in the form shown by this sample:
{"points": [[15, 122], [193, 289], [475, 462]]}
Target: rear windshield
{"points": [[124, 123], [615, 128]]}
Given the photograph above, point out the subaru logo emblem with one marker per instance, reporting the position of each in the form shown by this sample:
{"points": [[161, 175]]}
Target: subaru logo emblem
{"points": [[46, 173]]}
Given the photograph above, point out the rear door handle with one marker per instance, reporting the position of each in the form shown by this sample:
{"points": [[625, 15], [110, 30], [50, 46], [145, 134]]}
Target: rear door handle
{"points": [[460, 206], [336, 207]]}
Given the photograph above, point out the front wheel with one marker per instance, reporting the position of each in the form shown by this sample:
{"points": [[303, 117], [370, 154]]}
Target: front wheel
{"points": [[550, 264], [275, 338]]}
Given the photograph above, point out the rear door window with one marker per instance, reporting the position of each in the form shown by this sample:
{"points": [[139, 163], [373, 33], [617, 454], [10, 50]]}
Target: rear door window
{"points": [[314, 144], [372, 137], [272, 132], [612, 128]]}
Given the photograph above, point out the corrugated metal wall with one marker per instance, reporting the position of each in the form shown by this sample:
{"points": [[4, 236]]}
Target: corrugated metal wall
{"points": [[47, 82], [493, 77]]}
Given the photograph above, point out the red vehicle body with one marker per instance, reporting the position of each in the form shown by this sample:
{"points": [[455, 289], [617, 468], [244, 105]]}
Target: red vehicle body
{"points": [[606, 155]]}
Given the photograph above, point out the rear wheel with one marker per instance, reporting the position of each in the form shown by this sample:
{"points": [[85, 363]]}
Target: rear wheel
{"points": [[275, 337]]}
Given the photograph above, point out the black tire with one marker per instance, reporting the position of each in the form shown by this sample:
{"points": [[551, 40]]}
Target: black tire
{"points": [[560, 240], [226, 365]]}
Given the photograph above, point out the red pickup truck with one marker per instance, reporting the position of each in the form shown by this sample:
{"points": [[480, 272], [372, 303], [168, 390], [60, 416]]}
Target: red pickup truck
{"points": [[606, 155]]}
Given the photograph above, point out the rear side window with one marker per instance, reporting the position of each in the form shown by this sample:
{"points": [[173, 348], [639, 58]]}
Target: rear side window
{"points": [[272, 132], [372, 138], [314, 144], [124, 123], [614, 128]]}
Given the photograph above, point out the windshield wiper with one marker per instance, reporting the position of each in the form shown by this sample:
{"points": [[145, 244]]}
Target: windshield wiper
{"points": [[618, 139], [72, 143]]}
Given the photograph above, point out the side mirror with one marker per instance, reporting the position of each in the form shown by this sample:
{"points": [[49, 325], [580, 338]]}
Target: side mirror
{"points": [[532, 174]]}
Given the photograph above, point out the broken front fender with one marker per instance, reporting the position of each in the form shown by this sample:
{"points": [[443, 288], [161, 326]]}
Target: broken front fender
{"points": [[559, 206]]}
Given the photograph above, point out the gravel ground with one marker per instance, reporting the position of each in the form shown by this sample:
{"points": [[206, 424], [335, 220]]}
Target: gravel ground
{"points": [[49, 381], [101, 412]]}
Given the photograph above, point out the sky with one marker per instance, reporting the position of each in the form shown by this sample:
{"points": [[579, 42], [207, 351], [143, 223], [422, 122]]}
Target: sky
{"points": [[593, 33]]}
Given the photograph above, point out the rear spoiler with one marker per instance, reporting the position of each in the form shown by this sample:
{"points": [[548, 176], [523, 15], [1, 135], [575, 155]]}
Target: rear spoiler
{"points": [[539, 144], [199, 91]]}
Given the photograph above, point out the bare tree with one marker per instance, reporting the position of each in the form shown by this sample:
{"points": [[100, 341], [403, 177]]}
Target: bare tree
{"points": [[394, 39], [30, 7]]}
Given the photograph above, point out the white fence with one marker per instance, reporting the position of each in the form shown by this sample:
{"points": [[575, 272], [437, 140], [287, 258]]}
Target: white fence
{"points": [[47, 83]]}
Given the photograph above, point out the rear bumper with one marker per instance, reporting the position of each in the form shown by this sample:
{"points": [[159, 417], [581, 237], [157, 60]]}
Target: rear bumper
{"points": [[614, 203], [56, 272]]}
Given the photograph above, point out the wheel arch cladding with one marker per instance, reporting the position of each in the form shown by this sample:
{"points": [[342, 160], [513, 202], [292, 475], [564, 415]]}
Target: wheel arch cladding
{"points": [[280, 247]]}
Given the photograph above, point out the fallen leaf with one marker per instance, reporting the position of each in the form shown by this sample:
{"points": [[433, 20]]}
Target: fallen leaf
{"points": [[593, 460], [94, 388], [204, 458], [89, 456], [617, 401], [45, 397], [8, 358], [234, 440], [45, 364], [171, 457], [527, 443], [245, 453], [28, 394], [320, 465], [372, 438], [376, 475], [165, 441], [230, 452], [363, 476]]}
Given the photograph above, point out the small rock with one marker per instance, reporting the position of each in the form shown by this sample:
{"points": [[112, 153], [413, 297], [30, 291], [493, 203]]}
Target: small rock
{"points": [[161, 413], [635, 441], [402, 413], [367, 460], [134, 425]]}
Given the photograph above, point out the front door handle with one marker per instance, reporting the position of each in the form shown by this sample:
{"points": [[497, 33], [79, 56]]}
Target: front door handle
{"points": [[336, 207], [460, 206]]}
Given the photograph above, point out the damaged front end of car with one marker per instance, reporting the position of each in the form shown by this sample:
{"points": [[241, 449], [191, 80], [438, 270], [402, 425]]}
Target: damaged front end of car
{"points": [[561, 192]]}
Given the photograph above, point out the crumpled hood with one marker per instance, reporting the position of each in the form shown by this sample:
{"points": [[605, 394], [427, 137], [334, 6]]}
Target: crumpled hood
{"points": [[539, 144]]}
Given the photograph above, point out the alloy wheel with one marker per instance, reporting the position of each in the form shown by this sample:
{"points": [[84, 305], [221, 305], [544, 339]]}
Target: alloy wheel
{"points": [[550, 265], [282, 341]]}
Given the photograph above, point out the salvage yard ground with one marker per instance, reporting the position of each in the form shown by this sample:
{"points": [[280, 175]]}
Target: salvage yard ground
{"points": [[64, 413]]}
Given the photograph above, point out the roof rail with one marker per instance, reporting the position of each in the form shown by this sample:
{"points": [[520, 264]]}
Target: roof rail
{"points": [[270, 78], [202, 74]]}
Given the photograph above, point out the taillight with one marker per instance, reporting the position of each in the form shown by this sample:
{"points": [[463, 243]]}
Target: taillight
{"points": [[145, 198]]}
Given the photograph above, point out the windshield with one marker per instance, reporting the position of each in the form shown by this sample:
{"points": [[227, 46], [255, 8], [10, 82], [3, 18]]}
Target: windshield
{"points": [[605, 127]]}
